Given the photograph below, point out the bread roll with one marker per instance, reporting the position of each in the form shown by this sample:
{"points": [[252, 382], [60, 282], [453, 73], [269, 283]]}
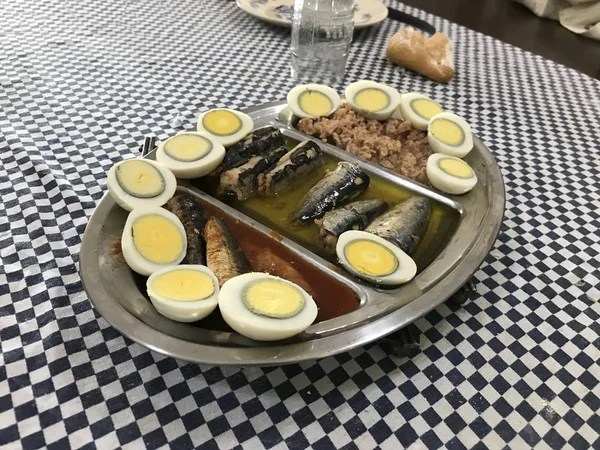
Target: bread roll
{"points": [[433, 57]]}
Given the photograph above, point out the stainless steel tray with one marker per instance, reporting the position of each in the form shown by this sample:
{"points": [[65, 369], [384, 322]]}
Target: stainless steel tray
{"points": [[114, 291]]}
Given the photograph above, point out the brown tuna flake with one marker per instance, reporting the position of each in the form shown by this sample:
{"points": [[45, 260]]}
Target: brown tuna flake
{"points": [[394, 144]]}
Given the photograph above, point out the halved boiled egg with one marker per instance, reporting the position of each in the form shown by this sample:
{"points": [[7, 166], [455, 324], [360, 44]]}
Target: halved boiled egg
{"points": [[266, 308], [190, 154], [450, 134], [227, 126], [184, 293], [374, 259], [140, 182], [153, 238], [372, 100], [418, 109], [450, 174], [313, 100]]}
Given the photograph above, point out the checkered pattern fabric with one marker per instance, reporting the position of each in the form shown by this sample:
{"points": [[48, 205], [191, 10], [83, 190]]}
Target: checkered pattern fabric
{"points": [[82, 82]]}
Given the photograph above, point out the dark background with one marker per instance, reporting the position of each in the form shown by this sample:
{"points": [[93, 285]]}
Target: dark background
{"points": [[513, 23]]}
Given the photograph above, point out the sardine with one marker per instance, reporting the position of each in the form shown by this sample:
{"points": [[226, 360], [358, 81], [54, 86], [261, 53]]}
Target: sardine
{"points": [[405, 224], [353, 216], [265, 260], [255, 143], [293, 166], [243, 180], [194, 218], [224, 256], [334, 189]]}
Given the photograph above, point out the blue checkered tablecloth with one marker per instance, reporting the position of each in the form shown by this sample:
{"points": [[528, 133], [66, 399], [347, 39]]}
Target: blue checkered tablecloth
{"points": [[81, 82]]}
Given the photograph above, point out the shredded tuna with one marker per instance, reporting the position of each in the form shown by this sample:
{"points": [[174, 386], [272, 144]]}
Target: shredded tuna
{"points": [[394, 144]]}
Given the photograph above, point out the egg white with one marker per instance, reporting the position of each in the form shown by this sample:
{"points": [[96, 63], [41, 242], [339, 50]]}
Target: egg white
{"points": [[184, 311], [132, 256], [444, 181], [193, 169], [460, 151], [410, 114], [397, 114], [228, 140], [254, 326], [294, 95], [382, 114], [127, 201], [406, 270]]}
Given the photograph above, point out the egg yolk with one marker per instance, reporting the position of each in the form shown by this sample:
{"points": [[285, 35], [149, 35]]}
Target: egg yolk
{"points": [[447, 131], [184, 285], [455, 167], [371, 99], [140, 179], [315, 103], [222, 122], [157, 239], [426, 108], [187, 147], [273, 298], [371, 258]]}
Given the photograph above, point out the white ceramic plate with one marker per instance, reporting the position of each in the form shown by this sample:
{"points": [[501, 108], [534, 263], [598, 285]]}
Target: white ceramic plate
{"points": [[279, 12]]}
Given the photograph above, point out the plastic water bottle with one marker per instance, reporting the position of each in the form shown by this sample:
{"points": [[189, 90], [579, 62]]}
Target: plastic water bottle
{"points": [[321, 36]]}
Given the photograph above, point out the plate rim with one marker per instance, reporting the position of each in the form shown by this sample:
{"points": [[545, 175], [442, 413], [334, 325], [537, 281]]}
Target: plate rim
{"points": [[244, 6]]}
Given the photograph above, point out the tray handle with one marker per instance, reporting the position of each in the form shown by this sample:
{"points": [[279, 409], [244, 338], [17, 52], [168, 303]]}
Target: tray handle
{"points": [[407, 341], [148, 145]]}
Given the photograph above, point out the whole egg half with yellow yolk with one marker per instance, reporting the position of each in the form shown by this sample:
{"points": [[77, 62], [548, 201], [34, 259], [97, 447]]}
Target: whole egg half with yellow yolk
{"points": [[185, 293], [313, 100], [374, 259], [450, 174], [140, 182], [450, 134], [153, 238], [190, 154], [418, 109], [266, 308], [372, 100], [227, 126]]}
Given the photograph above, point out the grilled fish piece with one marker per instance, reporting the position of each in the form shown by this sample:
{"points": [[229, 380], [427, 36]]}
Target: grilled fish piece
{"points": [[294, 165], [243, 180], [255, 143], [405, 224], [224, 256], [334, 189], [353, 216], [194, 218]]}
